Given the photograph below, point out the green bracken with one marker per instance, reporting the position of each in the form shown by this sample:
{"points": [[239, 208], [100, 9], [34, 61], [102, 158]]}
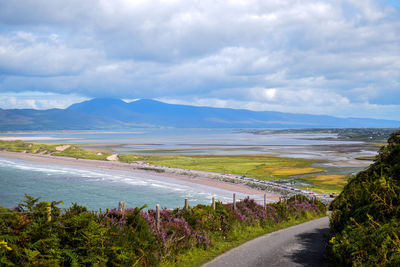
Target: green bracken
{"points": [[366, 215]]}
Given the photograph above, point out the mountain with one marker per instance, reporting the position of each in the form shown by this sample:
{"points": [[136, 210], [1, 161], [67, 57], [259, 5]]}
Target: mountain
{"points": [[106, 113]]}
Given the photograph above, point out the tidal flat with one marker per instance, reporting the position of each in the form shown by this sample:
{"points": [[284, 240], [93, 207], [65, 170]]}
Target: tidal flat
{"points": [[316, 161]]}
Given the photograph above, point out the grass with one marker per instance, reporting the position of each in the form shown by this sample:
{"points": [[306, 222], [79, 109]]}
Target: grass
{"points": [[73, 151], [328, 183], [128, 158], [263, 167], [78, 152], [21, 146], [198, 256]]}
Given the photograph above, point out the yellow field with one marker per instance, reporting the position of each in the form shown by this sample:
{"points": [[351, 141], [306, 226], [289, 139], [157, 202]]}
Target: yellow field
{"points": [[327, 183]]}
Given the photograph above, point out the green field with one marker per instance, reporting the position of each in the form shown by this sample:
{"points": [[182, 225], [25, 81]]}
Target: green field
{"points": [[263, 167]]}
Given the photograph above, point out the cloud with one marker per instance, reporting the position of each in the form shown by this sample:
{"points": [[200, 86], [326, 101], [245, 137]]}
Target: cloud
{"points": [[27, 54], [37, 100], [262, 54]]}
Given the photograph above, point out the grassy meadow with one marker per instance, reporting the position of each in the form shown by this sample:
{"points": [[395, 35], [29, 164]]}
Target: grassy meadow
{"points": [[263, 167]]}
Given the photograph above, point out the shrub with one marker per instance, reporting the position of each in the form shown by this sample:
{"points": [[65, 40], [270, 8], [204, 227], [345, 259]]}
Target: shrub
{"points": [[366, 215], [78, 236]]}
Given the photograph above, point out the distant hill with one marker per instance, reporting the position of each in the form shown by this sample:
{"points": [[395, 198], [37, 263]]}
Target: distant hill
{"points": [[108, 113]]}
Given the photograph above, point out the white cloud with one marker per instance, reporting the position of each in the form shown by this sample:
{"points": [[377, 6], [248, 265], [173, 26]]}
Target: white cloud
{"points": [[26, 54], [257, 54], [37, 100]]}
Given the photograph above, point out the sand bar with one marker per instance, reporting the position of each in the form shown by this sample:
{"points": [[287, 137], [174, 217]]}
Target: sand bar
{"points": [[188, 176]]}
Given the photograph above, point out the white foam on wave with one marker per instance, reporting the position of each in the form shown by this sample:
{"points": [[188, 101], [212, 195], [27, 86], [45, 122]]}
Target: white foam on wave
{"points": [[48, 169]]}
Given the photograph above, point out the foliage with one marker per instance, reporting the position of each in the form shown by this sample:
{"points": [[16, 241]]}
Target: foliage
{"points": [[366, 215], [76, 236]]}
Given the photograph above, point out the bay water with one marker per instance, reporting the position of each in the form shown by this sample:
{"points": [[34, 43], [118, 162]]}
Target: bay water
{"points": [[96, 188]]}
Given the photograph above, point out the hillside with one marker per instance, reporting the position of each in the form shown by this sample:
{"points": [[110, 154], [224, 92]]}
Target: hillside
{"points": [[106, 113], [366, 215]]}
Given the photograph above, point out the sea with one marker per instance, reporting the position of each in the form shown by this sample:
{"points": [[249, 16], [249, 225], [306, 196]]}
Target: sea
{"points": [[101, 189]]}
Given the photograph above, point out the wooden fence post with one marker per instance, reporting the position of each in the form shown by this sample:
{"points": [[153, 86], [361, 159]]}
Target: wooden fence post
{"points": [[121, 206], [48, 211], [186, 204], [265, 200], [213, 203], [234, 201], [158, 216]]}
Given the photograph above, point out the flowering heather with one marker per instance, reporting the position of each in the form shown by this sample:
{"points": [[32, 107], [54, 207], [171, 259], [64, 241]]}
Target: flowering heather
{"points": [[301, 207], [174, 233], [248, 210], [272, 214]]}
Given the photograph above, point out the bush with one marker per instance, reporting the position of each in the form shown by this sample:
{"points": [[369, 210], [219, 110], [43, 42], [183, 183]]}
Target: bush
{"points": [[366, 215], [77, 236]]}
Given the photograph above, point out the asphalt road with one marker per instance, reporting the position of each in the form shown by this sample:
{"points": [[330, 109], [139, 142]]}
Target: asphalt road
{"points": [[299, 245]]}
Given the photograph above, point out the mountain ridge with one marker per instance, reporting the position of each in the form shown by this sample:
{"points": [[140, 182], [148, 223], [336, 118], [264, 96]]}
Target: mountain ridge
{"points": [[107, 113]]}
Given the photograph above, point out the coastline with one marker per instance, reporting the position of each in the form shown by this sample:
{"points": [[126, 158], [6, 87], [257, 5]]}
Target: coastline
{"points": [[193, 177]]}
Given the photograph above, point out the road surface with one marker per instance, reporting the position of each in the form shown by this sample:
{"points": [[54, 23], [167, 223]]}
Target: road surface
{"points": [[299, 245]]}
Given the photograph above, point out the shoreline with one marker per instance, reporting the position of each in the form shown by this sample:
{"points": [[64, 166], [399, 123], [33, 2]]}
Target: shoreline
{"points": [[226, 182]]}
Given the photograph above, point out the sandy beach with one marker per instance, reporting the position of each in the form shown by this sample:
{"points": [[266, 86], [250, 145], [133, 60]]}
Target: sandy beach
{"points": [[193, 177]]}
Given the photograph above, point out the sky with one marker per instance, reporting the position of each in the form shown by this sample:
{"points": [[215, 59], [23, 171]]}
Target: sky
{"points": [[337, 57]]}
